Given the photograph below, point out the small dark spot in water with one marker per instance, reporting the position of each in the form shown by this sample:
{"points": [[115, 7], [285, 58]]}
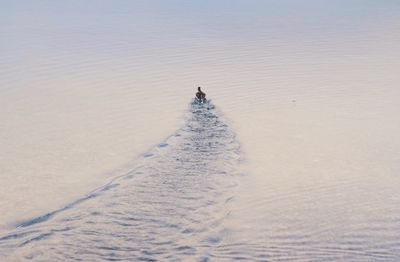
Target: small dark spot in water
{"points": [[40, 237], [228, 199], [213, 240], [106, 188], [163, 145], [106, 248], [132, 218], [124, 224], [204, 259], [17, 235], [37, 220], [172, 225], [146, 259], [187, 231], [184, 248], [129, 177], [163, 243], [113, 259], [62, 229], [148, 155]]}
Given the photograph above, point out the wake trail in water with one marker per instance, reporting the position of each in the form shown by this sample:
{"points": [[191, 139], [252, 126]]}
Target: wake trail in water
{"points": [[171, 207]]}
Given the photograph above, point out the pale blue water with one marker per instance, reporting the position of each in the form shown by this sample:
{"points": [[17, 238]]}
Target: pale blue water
{"points": [[102, 160], [171, 207]]}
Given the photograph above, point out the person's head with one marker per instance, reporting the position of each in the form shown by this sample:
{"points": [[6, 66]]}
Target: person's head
{"points": [[198, 88]]}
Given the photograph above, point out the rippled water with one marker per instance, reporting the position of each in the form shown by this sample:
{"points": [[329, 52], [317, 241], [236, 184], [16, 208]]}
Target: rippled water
{"points": [[90, 90], [171, 207], [187, 200]]}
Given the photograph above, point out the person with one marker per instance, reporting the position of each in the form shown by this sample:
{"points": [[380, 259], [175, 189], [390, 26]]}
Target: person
{"points": [[200, 95]]}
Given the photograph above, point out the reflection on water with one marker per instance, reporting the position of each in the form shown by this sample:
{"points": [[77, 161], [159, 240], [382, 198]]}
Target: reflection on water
{"points": [[170, 207]]}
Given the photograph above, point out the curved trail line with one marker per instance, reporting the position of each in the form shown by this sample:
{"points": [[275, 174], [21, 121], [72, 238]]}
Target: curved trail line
{"points": [[171, 207]]}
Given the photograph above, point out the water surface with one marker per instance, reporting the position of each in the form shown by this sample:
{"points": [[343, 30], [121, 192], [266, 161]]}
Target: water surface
{"points": [[88, 89]]}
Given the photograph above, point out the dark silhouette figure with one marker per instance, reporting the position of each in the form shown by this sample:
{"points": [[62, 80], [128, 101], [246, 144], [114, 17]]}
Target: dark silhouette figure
{"points": [[200, 95]]}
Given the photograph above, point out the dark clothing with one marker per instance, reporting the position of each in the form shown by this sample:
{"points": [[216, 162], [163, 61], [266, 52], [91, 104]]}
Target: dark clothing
{"points": [[200, 95]]}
